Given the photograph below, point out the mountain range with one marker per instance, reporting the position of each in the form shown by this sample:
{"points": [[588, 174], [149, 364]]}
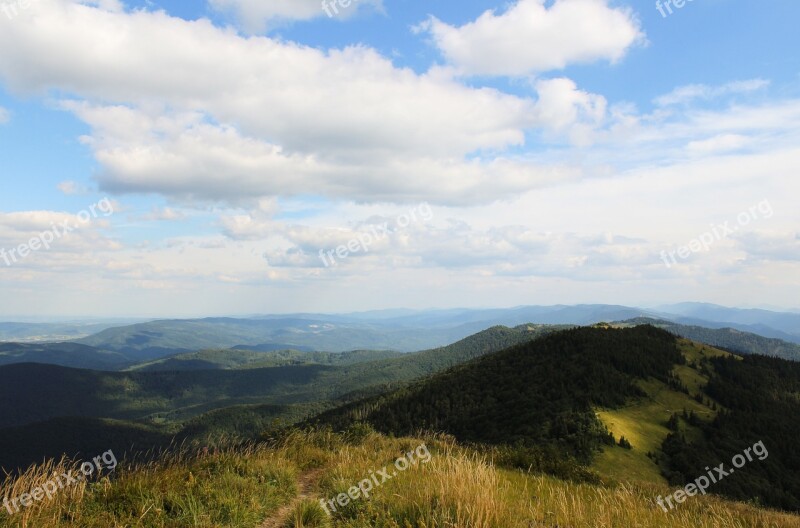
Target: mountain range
{"points": [[636, 399]]}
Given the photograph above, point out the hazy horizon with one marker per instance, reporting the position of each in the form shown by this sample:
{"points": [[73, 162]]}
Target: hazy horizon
{"points": [[140, 318]]}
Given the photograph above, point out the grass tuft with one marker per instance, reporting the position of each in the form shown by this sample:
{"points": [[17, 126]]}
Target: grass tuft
{"points": [[308, 514]]}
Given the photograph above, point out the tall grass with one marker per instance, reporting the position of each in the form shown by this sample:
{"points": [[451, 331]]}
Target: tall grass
{"points": [[459, 488], [234, 487]]}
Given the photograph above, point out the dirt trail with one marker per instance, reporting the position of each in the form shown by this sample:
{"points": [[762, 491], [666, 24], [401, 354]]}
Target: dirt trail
{"points": [[305, 485]]}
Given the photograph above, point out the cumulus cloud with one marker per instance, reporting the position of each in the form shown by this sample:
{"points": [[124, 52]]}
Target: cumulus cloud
{"points": [[190, 110], [563, 108], [430, 241], [185, 157], [72, 235], [531, 37], [462, 248], [332, 102]]}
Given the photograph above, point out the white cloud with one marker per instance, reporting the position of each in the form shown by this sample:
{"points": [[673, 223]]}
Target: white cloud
{"points": [[529, 250], [691, 92], [161, 214], [627, 139], [106, 5], [70, 238], [185, 158], [333, 102], [530, 37], [70, 188], [256, 15], [720, 143], [563, 108], [771, 246], [163, 94], [5, 116], [260, 128], [430, 244]]}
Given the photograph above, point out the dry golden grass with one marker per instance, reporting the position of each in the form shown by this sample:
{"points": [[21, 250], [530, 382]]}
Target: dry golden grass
{"points": [[233, 487], [633, 505], [458, 488]]}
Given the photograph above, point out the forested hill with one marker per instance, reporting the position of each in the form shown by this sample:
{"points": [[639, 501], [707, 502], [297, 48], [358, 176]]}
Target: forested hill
{"points": [[729, 339], [542, 397], [761, 401], [537, 393]]}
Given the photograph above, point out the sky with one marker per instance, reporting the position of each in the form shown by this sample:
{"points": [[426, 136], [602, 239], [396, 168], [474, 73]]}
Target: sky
{"points": [[234, 157]]}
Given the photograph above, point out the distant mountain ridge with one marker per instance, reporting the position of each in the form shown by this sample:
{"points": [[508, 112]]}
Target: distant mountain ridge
{"points": [[63, 354], [727, 338], [338, 333], [782, 325], [402, 330], [117, 348], [30, 332]]}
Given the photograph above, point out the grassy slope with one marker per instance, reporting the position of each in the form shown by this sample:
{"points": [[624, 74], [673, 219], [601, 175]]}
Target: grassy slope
{"points": [[243, 488], [643, 422]]}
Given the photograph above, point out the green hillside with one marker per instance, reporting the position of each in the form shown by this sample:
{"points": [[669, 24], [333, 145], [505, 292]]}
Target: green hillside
{"points": [[76, 437], [243, 358], [644, 421], [249, 397], [759, 396], [514, 417], [63, 354], [727, 338], [541, 393], [85, 437], [587, 404], [40, 392], [156, 339], [680, 406]]}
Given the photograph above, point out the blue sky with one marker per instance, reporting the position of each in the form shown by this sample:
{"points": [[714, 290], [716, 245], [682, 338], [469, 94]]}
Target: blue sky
{"points": [[568, 150]]}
